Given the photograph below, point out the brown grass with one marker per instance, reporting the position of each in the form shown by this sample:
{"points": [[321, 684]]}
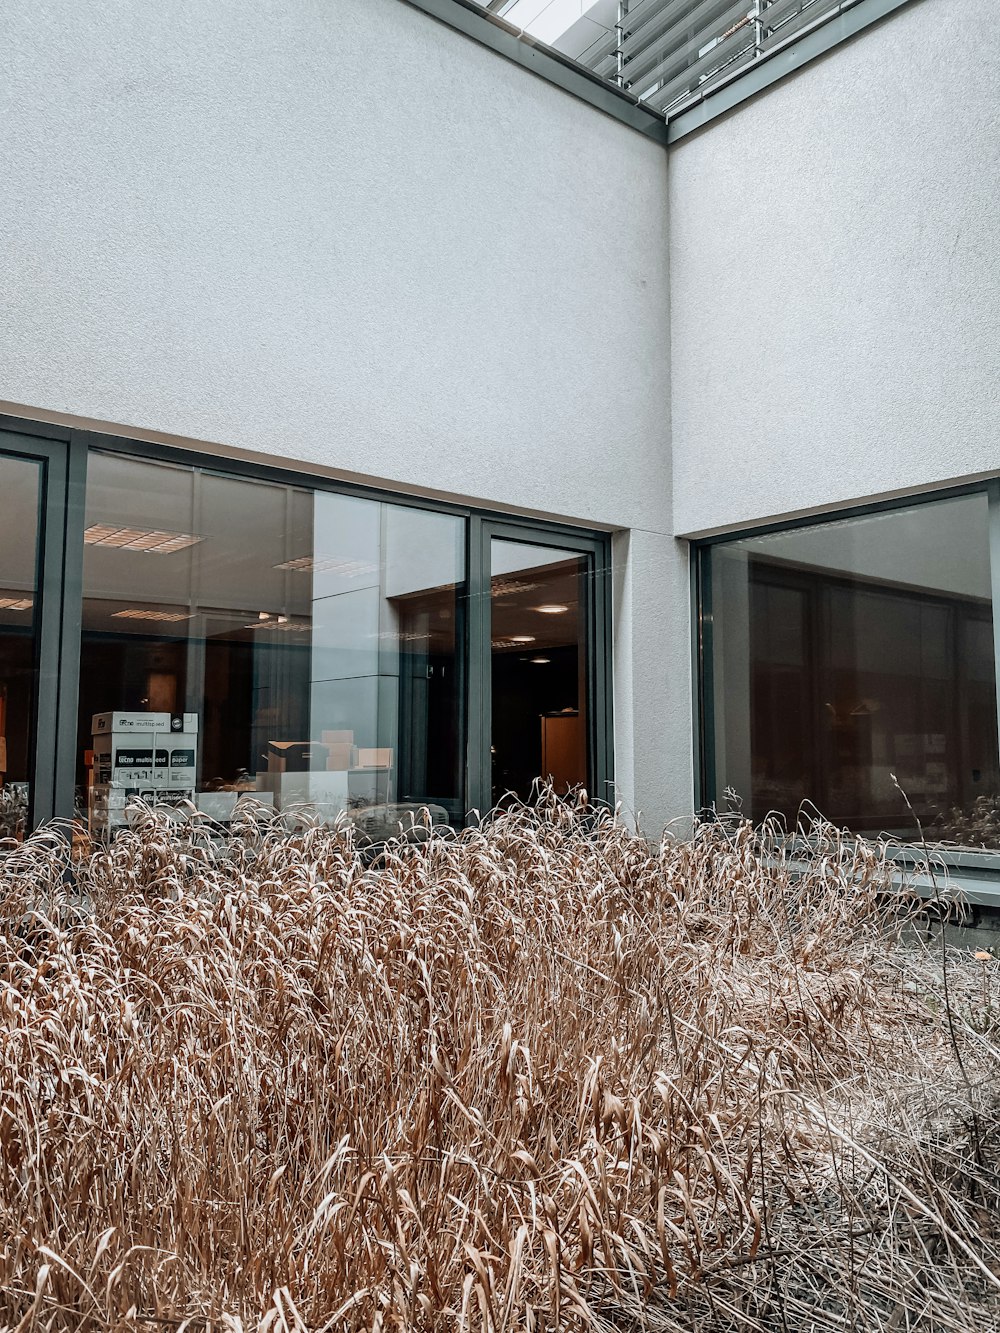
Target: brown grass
{"points": [[537, 1076]]}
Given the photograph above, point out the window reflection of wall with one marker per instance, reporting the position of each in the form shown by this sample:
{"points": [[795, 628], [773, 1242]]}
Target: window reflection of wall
{"points": [[277, 615], [850, 652]]}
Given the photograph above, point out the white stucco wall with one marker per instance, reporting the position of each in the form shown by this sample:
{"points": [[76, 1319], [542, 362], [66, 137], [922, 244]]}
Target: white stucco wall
{"points": [[835, 277], [339, 233], [344, 234]]}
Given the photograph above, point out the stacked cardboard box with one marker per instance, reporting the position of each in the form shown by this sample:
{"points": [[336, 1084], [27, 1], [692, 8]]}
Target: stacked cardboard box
{"points": [[299, 775], [152, 756]]}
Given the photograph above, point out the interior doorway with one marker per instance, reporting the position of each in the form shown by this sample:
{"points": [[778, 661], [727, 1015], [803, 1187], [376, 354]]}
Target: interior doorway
{"points": [[539, 658]]}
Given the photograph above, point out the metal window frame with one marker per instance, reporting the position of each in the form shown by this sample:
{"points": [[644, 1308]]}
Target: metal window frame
{"points": [[597, 548], [65, 451], [62, 480], [977, 871]]}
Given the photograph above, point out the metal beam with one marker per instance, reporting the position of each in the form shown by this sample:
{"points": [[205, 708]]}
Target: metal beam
{"points": [[779, 62], [508, 41]]}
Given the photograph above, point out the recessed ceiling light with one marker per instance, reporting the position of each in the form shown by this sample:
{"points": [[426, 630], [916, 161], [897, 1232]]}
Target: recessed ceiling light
{"points": [[144, 613], [540, 661], [552, 609], [521, 638], [151, 540], [16, 603]]}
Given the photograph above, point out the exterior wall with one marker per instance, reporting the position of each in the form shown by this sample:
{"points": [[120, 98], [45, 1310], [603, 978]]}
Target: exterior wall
{"points": [[835, 285], [347, 236]]}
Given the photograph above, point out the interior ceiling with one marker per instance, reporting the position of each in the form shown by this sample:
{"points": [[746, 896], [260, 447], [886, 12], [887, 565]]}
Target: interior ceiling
{"points": [[516, 598], [426, 620]]}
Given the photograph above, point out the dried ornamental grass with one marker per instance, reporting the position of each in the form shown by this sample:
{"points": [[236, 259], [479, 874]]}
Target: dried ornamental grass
{"points": [[539, 1075]]}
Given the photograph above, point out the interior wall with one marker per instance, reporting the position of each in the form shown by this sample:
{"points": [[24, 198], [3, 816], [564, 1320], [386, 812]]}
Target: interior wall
{"points": [[835, 286], [348, 236]]}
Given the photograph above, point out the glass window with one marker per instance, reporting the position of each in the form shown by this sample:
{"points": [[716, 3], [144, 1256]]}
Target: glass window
{"points": [[242, 636], [852, 656], [539, 666], [20, 483]]}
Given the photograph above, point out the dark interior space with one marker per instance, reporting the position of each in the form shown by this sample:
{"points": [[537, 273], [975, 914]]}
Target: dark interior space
{"points": [[17, 693], [539, 683], [527, 692], [855, 683]]}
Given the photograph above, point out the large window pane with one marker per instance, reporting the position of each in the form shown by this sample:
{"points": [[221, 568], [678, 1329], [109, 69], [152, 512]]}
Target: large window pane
{"points": [[20, 485], [539, 667], [308, 646], [855, 658]]}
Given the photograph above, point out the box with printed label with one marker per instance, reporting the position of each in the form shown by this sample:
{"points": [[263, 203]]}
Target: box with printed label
{"points": [[158, 759], [105, 723], [109, 806]]}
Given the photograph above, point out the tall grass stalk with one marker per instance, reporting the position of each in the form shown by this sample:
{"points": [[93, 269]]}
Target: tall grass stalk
{"points": [[540, 1075]]}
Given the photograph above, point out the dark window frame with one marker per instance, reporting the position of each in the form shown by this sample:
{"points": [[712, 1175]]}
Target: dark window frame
{"points": [[61, 580], [702, 613]]}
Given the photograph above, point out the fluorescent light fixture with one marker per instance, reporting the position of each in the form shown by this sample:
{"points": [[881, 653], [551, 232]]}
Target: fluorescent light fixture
{"points": [[145, 613], [540, 661], [513, 641], [280, 623], [16, 603], [328, 564], [152, 540], [552, 609], [510, 587]]}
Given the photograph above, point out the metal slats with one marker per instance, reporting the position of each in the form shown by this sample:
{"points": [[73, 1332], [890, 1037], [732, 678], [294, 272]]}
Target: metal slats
{"points": [[681, 42], [782, 9], [664, 16], [645, 23], [696, 76], [685, 59], [807, 14], [674, 51]]}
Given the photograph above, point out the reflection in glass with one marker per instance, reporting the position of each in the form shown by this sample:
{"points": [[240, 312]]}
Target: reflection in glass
{"points": [[539, 662], [307, 644], [19, 483], [854, 655]]}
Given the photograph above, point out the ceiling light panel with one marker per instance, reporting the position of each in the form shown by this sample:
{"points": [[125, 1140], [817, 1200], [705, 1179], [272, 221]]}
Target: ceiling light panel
{"points": [[145, 613], [510, 587], [323, 564], [282, 623], [153, 541]]}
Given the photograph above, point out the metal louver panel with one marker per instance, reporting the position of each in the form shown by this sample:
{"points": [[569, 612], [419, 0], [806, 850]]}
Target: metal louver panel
{"points": [[796, 17], [664, 59], [780, 10], [696, 76], [669, 53]]}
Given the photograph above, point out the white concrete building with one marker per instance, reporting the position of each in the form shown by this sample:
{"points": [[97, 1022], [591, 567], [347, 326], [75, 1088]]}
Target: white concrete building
{"points": [[426, 414]]}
